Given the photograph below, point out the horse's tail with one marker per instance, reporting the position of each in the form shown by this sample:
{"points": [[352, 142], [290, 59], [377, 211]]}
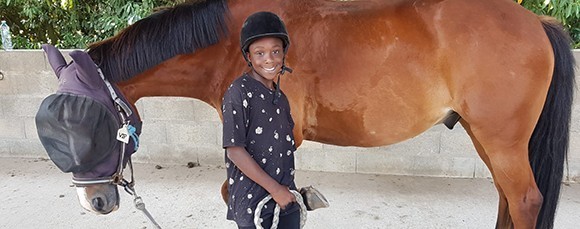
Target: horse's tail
{"points": [[548, 147]]}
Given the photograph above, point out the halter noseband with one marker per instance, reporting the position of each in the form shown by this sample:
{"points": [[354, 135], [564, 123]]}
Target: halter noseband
{"points": [[123, 134]]}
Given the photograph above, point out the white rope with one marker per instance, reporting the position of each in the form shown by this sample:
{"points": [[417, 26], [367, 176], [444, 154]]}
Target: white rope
{"points": [[276, 217]]}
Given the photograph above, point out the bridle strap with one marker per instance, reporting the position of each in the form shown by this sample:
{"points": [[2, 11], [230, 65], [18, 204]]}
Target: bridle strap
{"points": [[117, 178]]}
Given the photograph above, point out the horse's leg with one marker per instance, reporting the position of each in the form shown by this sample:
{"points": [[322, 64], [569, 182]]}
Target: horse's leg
{"points": [[503, 217], [507, 153]]}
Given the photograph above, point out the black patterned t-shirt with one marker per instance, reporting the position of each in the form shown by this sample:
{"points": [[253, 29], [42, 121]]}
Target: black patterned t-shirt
{"points": [[264, 129]]}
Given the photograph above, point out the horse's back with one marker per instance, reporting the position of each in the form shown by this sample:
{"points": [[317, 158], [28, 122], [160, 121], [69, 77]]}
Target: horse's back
{"points": [[379, 72]]}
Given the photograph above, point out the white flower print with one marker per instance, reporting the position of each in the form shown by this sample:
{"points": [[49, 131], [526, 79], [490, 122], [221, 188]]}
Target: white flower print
{"points": [[234, 112], [289, 152], [280, 154], [292, 142], [270, 120], [237, 127], [233, 140], [275, 134], [278, 111], [241, 178], [250, 94], [258, 130], [277, 171], [288, 138], [231, 181], [263, 160], [250, 196], [262, 96], [270, 149], [227, 164], [292, 171], [263, 111], [245, 102], [249, 211]]}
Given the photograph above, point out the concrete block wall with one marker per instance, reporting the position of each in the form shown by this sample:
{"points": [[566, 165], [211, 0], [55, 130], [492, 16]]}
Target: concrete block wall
{"points": [[181, 130]]}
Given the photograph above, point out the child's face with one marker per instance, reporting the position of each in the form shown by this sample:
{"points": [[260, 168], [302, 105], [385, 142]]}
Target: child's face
{"points": [[266, 55]]}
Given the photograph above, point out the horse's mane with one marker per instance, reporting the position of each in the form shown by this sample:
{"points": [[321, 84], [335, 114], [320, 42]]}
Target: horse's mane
{"points": [[164, 34]]}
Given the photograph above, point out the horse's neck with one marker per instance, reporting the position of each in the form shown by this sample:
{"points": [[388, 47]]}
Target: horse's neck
{"points": [[185, 76]]}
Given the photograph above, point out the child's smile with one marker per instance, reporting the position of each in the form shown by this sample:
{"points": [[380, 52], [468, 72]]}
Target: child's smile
{"points": [[266, 55]]}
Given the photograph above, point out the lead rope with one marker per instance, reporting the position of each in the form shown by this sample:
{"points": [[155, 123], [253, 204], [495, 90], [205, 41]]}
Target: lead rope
{"points": [[276, 217], [138, 201]]}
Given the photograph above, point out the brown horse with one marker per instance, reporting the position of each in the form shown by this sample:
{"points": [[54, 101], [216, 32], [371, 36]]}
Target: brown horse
{"points": [[372, 73]]}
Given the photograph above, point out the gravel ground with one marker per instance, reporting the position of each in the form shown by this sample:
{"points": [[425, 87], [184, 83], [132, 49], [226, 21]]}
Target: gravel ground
{"points": [[35, 194]]}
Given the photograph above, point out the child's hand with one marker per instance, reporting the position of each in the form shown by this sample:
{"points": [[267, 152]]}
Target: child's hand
{"points": [[283, 196]]}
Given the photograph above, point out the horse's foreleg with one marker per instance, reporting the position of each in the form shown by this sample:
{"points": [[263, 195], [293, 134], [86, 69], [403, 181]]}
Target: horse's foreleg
{"points": [[503, 217]]}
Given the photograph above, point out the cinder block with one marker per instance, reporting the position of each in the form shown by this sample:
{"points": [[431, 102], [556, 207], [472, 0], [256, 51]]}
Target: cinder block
{"points": [[203, 112], [573, 171], [27, 148], [23, 61], [30, 129], [5, 147], [153, 132], [167, 108], [39, 84], [456, 143], [20, 105], [574, 149], [7, 84], [323, 160], [210, 156], [481, 170], [384, 163], [166, 154], [193, 133], [12, 128]]}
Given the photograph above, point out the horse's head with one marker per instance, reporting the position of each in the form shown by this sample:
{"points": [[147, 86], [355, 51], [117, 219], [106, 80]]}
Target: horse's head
{"points": [[89, 130]]}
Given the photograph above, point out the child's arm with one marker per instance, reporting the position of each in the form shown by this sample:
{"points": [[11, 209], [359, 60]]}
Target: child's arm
{"points": [[242, 159]]}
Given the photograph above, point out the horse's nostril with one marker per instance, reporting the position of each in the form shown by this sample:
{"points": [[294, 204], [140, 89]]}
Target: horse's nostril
{"points": [[98, 203]]}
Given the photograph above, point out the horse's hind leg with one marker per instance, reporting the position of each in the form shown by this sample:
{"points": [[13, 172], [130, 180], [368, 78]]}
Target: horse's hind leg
{"points": [[505, 145], [503, 216]]}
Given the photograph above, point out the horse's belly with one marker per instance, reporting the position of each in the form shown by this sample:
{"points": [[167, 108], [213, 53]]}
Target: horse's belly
{"points": [[371, 124]]}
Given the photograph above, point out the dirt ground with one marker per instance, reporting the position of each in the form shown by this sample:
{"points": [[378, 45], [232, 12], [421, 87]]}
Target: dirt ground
{"points": [[35, 194]]}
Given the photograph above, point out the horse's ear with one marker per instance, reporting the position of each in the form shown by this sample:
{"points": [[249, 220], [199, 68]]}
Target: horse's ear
{"points": [[55, 58], [86, 69]]}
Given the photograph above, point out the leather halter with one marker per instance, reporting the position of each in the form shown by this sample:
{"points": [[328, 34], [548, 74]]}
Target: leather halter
{"points": [[117, 178]]}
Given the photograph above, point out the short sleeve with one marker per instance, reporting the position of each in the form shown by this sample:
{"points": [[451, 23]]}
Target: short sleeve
{"points": [[234, 118]]}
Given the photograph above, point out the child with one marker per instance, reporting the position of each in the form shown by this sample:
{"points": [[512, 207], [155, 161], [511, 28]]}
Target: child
{"points": [[257, 129]]}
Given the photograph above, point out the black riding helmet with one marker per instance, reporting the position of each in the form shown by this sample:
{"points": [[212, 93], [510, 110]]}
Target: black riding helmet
{"points": [[265, 24], [262, 24]]}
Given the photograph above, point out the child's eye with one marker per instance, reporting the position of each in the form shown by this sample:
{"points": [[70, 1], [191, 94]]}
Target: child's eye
{"points": [[276, 51], [260, 53]]}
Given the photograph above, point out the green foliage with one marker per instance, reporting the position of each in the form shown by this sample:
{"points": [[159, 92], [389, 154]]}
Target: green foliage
{"points": [[70, 23], [566, 11]]}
